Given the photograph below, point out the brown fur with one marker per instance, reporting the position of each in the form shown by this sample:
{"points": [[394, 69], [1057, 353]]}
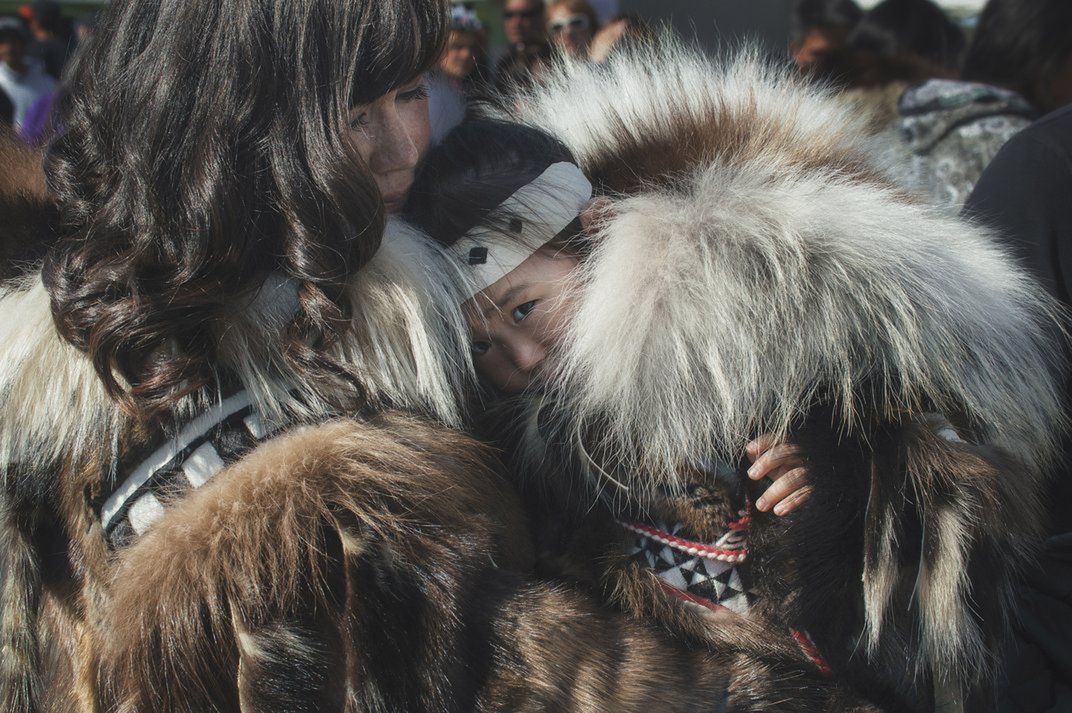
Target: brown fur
{"points": [[375, 565]]}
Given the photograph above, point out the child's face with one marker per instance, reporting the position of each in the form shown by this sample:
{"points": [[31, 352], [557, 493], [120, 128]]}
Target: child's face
{"points": [[516, 321]]}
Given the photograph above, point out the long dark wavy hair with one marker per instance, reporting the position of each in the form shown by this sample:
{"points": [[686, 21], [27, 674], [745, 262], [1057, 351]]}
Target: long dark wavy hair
{"points": [[203, 147]]}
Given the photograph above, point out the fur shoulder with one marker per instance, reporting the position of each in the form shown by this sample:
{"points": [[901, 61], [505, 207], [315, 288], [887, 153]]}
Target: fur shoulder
{"points": [[53, 404], [402, 342], [759, 262]]}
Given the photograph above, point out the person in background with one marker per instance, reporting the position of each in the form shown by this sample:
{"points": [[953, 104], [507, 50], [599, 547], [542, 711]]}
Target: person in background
{"points": [[463, 61], [1025, 46], [84, 26], [618, 30], [1024, 195], [51, 43], [820, 26], [571, 25], [22, 78], [917, 27], [528, 53], [1018, 66], [7, 109], [898, 43]]}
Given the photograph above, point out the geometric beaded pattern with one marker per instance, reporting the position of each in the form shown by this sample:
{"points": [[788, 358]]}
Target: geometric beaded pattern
{"points": [[707, 571]]}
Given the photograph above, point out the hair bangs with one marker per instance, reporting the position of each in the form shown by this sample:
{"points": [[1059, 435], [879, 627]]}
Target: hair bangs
{"points": [[398, 42]]}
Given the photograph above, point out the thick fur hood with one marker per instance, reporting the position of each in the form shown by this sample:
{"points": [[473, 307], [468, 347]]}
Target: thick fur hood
{"points": [[403, 343], [757, 261]]}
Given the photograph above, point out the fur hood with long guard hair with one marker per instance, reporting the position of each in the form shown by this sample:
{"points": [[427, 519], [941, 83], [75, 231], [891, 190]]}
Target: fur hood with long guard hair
{"points": [[764, 261], [759, 268]]}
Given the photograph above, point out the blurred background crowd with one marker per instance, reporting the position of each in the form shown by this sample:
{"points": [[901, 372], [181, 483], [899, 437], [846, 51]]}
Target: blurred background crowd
{"points": [[945, 85]]}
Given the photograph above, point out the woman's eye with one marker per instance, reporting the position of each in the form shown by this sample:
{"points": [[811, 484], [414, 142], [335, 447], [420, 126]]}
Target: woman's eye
{"points": [[522, 311], [359, 121], [418, 93], [480, 348]]}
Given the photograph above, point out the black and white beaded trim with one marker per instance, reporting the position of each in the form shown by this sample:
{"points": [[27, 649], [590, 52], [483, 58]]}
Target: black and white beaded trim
{"points": [[204, 447]]}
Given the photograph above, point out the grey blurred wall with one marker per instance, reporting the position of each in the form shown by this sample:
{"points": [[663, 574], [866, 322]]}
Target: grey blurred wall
{"points": [[721, 21]]}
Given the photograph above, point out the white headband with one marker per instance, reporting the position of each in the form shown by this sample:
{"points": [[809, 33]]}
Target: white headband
{"points": [[537, 212]]}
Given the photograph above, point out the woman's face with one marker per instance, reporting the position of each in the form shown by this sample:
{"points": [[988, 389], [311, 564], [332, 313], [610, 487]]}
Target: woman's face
{"points": [[459, 60], [572, 32], [518, 320], [392, 135]]}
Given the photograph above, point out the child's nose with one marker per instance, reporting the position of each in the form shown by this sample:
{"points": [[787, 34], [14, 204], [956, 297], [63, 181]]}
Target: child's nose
{"points": [[528, 354]]}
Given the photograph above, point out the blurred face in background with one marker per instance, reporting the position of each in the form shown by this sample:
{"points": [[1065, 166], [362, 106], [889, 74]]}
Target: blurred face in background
{"points": [[815, 43], [571, 31], [523, 21], [392, 134], [12, 50], [459, 60]]}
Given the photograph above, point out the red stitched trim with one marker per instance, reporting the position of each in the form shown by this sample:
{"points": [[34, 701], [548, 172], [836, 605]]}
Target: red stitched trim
{"points": [[719, 553], [744, 520], [811, 651], [741, 523], [692, 598]]}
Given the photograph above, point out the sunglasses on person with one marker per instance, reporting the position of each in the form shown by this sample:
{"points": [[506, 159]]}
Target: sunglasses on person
{"points": [[522, 14], [573, 22]]}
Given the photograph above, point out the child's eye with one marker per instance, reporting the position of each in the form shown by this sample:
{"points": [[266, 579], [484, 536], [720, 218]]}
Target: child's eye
{"points": [[522, 311], [479, 348]]}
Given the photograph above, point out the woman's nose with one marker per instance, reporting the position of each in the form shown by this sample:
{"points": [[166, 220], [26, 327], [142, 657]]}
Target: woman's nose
{"points": [[395, 149]]}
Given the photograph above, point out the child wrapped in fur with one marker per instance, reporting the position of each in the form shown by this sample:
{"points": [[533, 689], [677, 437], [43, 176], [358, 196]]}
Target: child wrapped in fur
{"points": [[753, 271]]}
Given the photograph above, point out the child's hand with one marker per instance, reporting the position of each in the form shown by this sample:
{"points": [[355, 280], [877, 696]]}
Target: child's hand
{"points": [[784, 466]]}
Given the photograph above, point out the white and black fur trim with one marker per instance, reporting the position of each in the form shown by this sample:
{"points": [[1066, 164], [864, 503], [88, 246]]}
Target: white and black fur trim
{"points": [[407, 342], [761, 262], [764, 277]]}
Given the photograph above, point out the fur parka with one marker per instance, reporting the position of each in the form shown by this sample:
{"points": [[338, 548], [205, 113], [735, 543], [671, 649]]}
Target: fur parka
{"points": [[364, 559], [759, 271]]}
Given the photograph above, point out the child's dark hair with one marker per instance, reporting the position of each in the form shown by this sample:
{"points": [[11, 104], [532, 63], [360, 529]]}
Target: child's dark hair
{"points": [[480, 164]]}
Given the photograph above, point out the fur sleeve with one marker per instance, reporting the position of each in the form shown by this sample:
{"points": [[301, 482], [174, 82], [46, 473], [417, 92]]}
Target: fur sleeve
{"points": [[319, 573], [369, 567], [921, 540]]}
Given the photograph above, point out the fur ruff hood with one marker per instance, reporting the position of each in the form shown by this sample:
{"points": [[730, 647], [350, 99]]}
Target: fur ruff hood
{"points": [[402, 342], [758, 260]]}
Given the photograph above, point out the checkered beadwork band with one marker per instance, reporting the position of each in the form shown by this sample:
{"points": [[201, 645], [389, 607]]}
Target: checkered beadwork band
{"points": [[205, 446]]}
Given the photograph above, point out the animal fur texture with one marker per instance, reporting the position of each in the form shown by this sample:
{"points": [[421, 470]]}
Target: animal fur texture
{"points": [[367, 564], [757, 266]]}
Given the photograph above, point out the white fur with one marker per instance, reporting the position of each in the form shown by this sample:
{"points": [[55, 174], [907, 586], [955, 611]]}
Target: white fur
{"points": [[721, 304], [406, 341], [714, 310], [51, 401]]}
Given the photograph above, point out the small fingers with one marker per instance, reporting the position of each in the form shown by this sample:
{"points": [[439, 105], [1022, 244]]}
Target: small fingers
{"points": [[759, 446], [792, 501], [783, 454], [792, 481]]}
